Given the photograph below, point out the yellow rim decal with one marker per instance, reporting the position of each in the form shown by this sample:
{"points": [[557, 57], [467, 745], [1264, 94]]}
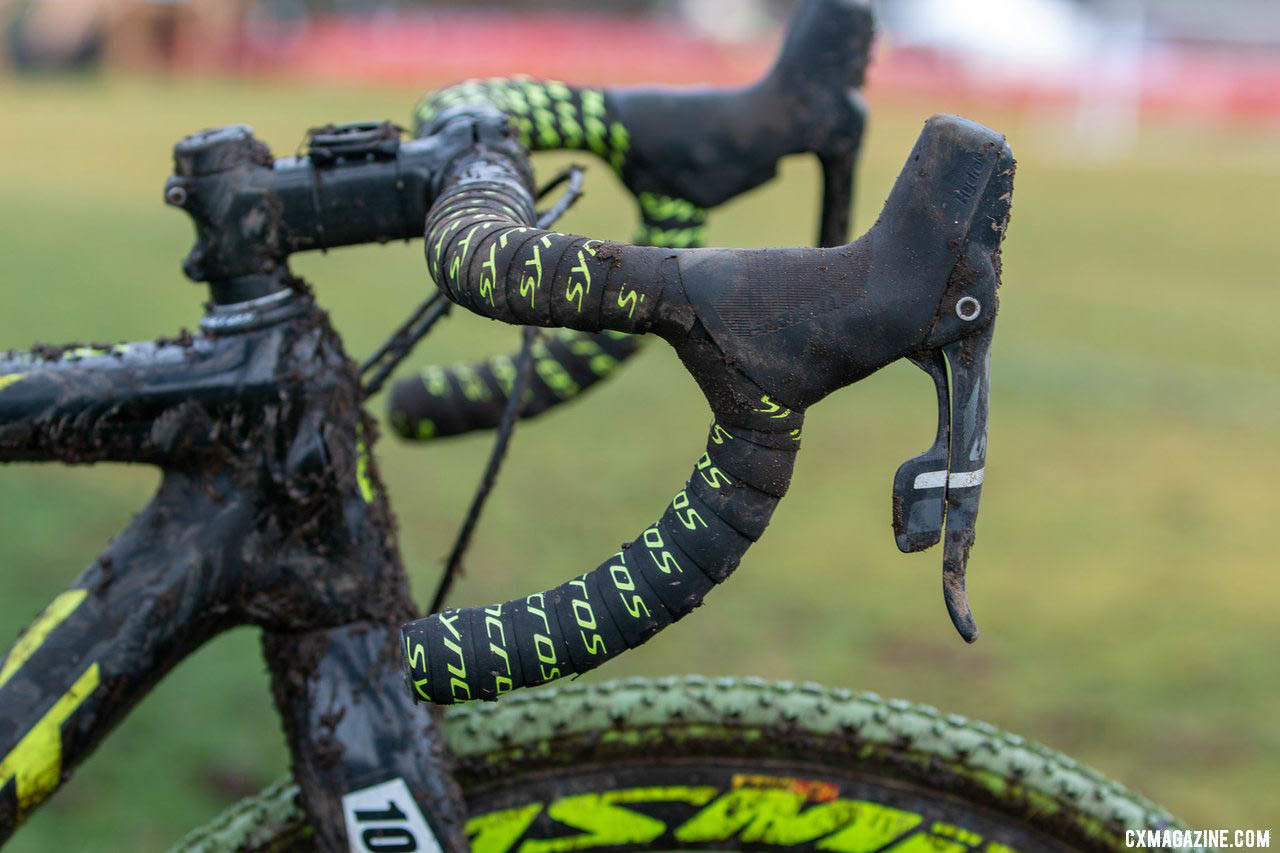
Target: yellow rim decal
{"points": [[497, 832], [51, 618], [764, 810]]}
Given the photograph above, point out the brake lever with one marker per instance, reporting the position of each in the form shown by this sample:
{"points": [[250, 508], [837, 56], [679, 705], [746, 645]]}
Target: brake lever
{"points": [[970, 362], [943, 485], [808, 102], [919, 486], [822, 66]]}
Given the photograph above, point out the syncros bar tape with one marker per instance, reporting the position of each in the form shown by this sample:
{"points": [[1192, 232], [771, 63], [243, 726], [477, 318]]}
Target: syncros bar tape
{"points": [[548, 115], [458, 398], [446, 400], [483, 652], [478, 251]]}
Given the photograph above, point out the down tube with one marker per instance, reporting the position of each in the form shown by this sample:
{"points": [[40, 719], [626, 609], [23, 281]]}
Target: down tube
{"points": [[100, 646]]}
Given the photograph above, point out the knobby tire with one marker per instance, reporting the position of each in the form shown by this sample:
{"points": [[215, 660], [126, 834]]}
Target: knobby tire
{"points": [[740, 764]]}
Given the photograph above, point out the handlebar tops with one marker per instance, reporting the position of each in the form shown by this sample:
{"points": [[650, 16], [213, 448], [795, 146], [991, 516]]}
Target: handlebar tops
{"points": [[729, 141]]}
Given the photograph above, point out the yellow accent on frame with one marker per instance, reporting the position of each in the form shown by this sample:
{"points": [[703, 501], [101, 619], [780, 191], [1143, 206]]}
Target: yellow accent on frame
{"points": [[9, 379], [36, 762], [363, 480], [52, 617]]}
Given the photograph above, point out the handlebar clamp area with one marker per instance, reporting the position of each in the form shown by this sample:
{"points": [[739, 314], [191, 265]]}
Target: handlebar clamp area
{"points": [[354, 141], [252, 211]]}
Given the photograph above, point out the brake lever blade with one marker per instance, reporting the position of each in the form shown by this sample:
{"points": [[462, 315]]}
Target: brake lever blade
{"points": [[920, 485], [970, 362]]}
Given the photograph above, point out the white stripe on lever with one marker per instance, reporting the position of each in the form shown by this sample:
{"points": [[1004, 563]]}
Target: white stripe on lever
{"points": [[958, 480]]}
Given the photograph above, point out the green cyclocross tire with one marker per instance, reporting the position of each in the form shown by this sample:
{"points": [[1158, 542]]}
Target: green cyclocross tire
{"points": [[741, 764]]}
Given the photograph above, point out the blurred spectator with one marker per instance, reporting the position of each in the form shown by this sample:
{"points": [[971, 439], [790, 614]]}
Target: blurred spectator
{"points": [[134, 34], [52, 35]]}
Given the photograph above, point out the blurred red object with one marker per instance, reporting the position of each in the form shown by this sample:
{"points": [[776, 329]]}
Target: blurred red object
{"points": [[432, 48], [435, 47]]}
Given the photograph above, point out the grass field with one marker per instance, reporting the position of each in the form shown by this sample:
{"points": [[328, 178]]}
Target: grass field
{"points": [[1124, 576]]}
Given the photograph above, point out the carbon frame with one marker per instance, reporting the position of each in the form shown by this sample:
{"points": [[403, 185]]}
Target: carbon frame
{"points": [[270, 513]]}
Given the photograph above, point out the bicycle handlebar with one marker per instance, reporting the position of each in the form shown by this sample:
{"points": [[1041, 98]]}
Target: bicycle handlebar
{"points": [[729, 141], [765, 333], [453, 399], [666, 571], [252, 211]]}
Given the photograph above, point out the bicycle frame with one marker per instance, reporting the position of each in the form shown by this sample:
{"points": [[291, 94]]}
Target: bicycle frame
{"points": [[270, 511], [264, 516]]}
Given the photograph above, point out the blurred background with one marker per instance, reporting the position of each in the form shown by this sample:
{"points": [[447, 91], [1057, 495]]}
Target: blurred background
{"points": [[1124, 572]]}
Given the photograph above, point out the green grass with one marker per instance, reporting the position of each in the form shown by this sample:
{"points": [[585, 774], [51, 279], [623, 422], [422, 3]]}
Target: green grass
{"points": [[1123, 577]]}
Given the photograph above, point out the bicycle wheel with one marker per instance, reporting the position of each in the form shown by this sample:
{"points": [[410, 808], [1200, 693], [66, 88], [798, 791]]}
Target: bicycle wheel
{"points": [[742, 764]]}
